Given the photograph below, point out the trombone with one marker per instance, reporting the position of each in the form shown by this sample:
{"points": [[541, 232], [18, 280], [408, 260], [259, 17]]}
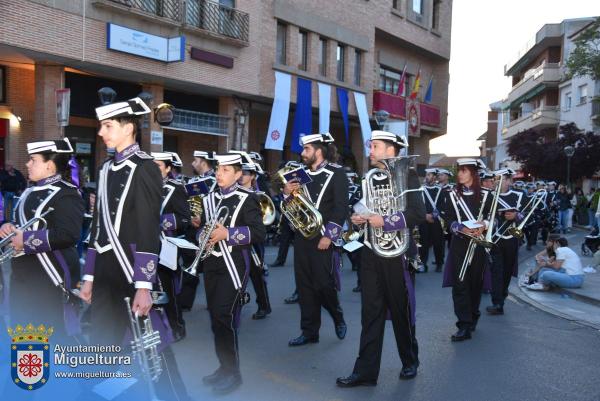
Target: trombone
{"points": [[486, 241], [517, 232]]}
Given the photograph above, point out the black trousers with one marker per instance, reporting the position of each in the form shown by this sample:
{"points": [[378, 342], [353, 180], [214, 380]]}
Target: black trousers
{"points": [[383, 289], [285, 240], [466, 294], [504, 257], [172, 309], [432, 236], [315, 285], [531, 233], [354, 258], [224, 306], [259, 282]]}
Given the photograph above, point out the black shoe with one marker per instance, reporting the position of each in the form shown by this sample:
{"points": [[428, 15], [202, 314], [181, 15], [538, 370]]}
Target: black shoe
{"points": [[438, 268], [302, 340], [277, 263], [354, 380], [227, 384], [461, 335], [214, 377], [292, 299], [340, 330], [357, 289], [179, 335], [409, 372], [261, 314], [495, 310]]}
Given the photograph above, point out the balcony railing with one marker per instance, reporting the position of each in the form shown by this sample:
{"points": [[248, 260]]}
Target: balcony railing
{"points": [[216, 18], [430, 115], [396, 106], [208, 16], [171, 9], [196, 121], [539, 118]]}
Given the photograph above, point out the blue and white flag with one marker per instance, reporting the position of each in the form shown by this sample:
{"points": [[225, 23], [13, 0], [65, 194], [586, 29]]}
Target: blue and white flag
{"points": [[280, 112], [303, 115], [324, 106], [342, 95], [363, 118]]}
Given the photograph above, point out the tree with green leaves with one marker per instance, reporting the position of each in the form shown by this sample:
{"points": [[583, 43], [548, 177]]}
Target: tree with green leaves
{"points": [[585, 58]]}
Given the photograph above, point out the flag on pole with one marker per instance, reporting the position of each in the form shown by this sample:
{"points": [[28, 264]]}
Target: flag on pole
{"points": [[416, 86], [280, 112], [402, 79], [429, 93]]}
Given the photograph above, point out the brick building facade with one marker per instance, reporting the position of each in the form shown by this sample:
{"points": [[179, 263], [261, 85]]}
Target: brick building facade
{"points": [[224, 88]]}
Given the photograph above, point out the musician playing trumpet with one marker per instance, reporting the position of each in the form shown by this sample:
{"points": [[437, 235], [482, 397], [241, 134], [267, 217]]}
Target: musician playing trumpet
{"points": [[44, 275], [466, 212], [231, 222], [385, 280]]}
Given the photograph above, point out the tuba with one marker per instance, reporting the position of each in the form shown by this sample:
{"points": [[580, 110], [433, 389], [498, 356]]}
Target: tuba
{"points": [[386, 200], [300, 211]]}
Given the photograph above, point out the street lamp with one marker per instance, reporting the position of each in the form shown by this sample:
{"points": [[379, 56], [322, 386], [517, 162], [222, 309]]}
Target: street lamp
{"points": [[381, 117], [107, 95], [569, 151]]}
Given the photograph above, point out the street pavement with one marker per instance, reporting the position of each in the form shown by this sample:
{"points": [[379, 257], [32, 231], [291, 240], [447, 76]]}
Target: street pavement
{"points": [[527, 354]]}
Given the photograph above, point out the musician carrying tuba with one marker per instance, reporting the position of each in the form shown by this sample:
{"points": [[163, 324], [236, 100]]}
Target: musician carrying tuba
{"points": [[390, 209]]}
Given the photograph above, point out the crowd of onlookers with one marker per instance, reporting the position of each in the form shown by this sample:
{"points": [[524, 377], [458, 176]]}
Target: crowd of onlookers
{"points": [[577, 207]]}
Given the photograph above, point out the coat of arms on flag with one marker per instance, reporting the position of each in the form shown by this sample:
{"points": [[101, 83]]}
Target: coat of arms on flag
{"points": [[30, 355]]}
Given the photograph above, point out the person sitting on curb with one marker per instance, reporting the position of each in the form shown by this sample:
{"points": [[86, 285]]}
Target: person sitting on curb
{"points": [[565, 271], [542, 259]]}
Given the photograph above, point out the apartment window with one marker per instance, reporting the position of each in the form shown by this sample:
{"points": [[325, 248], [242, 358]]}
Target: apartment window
{"points": [[568, 100], [357, 66], [396, 4], [389, 81], [435, 18], [2, 84], [582, 94], [323, 56], [302, 50], [281, 43], [340, 57], [417, 6]]}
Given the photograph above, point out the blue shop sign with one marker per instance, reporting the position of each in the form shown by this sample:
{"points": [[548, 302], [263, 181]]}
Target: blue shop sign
{"points": [[144, 44]]}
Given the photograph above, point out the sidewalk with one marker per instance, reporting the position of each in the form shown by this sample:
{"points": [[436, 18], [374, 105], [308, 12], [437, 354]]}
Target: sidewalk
{"points": [[581, 305]]}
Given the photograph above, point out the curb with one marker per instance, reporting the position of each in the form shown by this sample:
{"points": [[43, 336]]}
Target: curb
{"points": [[518, 292]]}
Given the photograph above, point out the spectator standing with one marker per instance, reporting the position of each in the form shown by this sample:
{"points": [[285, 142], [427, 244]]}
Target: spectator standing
{"points": [[13, 184], [581, 214], [564, 205]]}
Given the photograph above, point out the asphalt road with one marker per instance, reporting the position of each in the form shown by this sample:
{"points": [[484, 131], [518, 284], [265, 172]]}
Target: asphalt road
{"points": [[524, 355]]}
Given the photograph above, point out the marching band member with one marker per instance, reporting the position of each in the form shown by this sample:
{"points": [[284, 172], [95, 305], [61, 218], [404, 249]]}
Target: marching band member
{"points": [[204, 163], [42, 278], [257, 271], [125, 240], [313, 258], [234, 214], [443, 178], [432, 234], [386, 282], [122, 259], [505, 254], [468, 206], [487, 179], [175, 220]]}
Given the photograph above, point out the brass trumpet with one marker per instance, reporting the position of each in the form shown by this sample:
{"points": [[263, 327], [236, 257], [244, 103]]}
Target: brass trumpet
{"points": [[6, 250], [144, 347], [267, 208]]}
